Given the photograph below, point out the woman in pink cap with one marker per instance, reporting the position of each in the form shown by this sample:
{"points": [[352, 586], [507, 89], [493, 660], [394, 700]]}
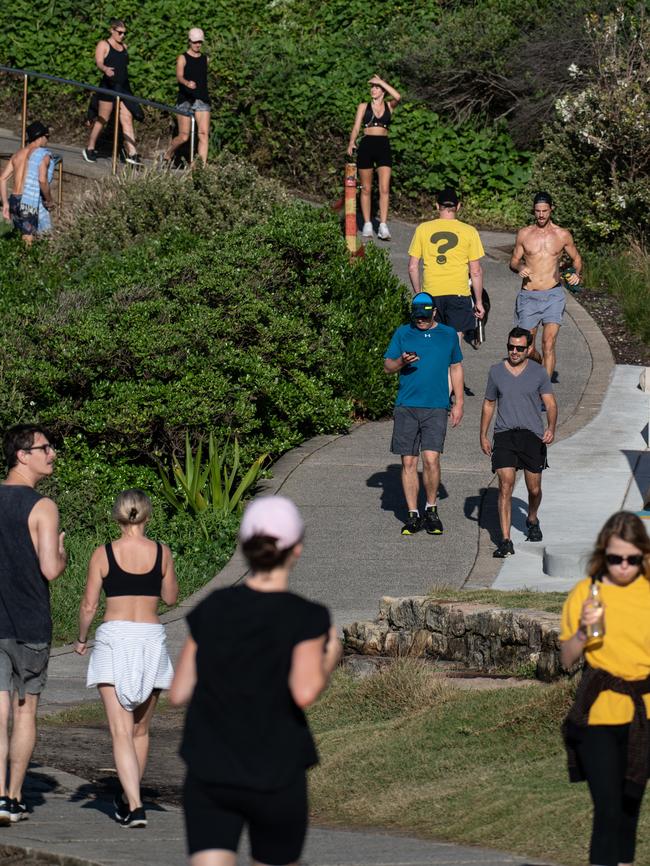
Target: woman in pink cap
{"points": [[192, 77], [257, 655]]}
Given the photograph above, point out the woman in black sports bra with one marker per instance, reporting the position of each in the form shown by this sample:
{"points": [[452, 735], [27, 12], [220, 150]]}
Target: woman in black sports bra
{"points": [[374, 151], [129, 662], [112, 60]]}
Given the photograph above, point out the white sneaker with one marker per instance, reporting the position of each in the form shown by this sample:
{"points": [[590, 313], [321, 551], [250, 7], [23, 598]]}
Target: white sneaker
{"points": [[367, 230], [383, 233]]}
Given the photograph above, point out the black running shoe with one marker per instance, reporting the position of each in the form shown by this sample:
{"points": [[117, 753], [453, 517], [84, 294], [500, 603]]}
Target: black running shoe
{"points": [[89, 155], [413, 524], [5, 810], [506, 548], [136, 819], [121, 808], [133, 159], [17, 811], [432, 522], [534, 531]]}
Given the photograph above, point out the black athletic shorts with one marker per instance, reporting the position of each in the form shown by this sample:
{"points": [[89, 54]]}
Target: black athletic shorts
{"points": [[215, 816], [518, 449], [374, 151], [457, 311]]}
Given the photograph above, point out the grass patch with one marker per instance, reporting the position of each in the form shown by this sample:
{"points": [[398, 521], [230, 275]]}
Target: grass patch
{"points": [[627, 277], [481, 768], [90, 714], [529, 599]]}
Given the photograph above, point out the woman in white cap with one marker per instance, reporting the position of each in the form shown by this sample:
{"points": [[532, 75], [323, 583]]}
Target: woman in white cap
{"points": [[257, 655], [192, 77], [129, 662]]}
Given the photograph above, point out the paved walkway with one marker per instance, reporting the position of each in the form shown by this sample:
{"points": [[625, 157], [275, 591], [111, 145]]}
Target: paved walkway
{"points": [[348, 489]]}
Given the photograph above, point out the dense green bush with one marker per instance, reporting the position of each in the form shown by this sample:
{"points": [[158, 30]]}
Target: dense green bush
{"points": [[596, 159], [285, 76], [263, 331]]}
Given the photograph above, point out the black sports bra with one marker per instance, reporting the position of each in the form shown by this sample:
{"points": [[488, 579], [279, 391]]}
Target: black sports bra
{"points": [[371, 119], [120, 582]]}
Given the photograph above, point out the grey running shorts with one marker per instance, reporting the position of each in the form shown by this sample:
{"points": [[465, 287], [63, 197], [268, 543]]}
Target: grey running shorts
{"points": [[416, 429], [545, 306], [194, 105], [518, 449], [23, 666], [457, 311]]}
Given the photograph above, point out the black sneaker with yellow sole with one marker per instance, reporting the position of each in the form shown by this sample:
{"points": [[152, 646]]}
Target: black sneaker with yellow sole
{"points": [[413, 524], [432, 522]]}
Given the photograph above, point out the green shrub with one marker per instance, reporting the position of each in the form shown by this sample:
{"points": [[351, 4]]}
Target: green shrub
{"points": [[596, 159], [626, 275]]}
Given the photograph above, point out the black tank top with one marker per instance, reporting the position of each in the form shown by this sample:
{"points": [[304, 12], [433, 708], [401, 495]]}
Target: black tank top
{"points": [[196, 69], [120, 582], [24, 592], [119, 61], [370, 118]]}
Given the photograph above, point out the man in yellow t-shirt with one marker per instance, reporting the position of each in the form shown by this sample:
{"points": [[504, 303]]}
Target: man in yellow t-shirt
{"points": [[451, 252]]}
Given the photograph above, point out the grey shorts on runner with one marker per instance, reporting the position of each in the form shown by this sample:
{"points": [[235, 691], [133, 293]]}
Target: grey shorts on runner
{"points": [[23, 666], [416, 430], [194, 105], [545, 307]]}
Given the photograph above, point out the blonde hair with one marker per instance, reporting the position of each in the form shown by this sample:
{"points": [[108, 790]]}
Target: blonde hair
{"points": [[132, 507]]}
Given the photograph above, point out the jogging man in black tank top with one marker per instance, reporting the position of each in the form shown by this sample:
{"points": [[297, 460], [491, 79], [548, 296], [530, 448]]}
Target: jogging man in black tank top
{"points": [[192, 77], [31, 555]]}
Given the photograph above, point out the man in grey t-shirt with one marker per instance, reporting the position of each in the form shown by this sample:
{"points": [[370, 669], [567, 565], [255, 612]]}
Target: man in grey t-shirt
{"points": [[517, 388]]}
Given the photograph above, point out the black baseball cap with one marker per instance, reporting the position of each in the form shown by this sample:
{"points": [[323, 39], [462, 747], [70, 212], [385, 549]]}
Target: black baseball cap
{"points": [[543, 198], [36, 130], [447, 196]]}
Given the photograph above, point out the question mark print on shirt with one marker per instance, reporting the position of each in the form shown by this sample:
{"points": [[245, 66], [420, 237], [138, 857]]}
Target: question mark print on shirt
{"points": [[450, 241]]}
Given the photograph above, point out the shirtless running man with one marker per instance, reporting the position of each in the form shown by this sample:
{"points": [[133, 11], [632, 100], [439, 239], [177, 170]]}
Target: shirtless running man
{"points": [[25, 220], [536, 258]]}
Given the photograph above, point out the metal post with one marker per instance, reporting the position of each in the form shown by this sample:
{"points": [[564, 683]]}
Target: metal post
{"points": [[192, 139], [350, 184], [24, 122], [60, 186], [116, 130]]}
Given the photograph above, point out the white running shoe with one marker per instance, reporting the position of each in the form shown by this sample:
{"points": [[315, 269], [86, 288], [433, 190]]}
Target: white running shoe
{"points": [[383, 233], [367, 230]]}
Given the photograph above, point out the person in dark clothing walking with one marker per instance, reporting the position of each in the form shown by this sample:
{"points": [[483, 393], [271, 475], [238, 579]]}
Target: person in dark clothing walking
{"points": [[606, 621], [31, 555], [192, 77], [112, 60], [257, 655]]}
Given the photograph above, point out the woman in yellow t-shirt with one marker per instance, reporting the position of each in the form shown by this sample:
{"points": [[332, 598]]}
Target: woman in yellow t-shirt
{"points": [[613, 698]]}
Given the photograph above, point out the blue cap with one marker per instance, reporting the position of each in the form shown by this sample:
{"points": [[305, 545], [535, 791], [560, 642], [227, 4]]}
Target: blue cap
{"points": [[422, 306]]}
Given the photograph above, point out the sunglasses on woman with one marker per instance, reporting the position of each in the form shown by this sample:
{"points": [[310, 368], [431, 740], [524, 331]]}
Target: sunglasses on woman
{"points": [[615, 559]]}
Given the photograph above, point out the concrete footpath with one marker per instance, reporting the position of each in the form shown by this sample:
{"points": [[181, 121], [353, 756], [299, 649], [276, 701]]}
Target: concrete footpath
{"points": [[348, 488]]}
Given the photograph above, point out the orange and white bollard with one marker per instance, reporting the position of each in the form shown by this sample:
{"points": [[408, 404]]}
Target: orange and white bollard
{"points": [[350, 187]]}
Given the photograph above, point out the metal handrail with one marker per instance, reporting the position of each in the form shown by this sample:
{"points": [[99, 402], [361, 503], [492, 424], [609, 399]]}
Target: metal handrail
{"points": [[29, 73]]}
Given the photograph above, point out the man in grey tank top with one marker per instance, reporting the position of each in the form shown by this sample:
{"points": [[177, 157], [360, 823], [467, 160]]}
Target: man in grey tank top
{"points": [[520, 390], [31, 555]]}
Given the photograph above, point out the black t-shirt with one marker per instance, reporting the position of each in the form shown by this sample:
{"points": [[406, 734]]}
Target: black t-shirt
{"points": [[243, 727]]}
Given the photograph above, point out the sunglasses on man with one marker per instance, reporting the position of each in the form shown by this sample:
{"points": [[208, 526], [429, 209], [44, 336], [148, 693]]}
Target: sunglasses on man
{"points": [[513, 348]]}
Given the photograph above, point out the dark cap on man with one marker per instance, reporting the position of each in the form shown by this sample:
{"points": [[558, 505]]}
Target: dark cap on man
{"points": [[543, 198], [36, 130], [422, 306], [448, 197]]}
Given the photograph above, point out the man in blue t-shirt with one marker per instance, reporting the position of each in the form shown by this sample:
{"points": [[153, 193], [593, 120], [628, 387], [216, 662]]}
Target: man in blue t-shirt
{"points": [[424, 353]]}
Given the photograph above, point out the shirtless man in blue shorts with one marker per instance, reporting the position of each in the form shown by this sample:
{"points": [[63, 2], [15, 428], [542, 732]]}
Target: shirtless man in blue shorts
{"points": [[536, 258]]}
